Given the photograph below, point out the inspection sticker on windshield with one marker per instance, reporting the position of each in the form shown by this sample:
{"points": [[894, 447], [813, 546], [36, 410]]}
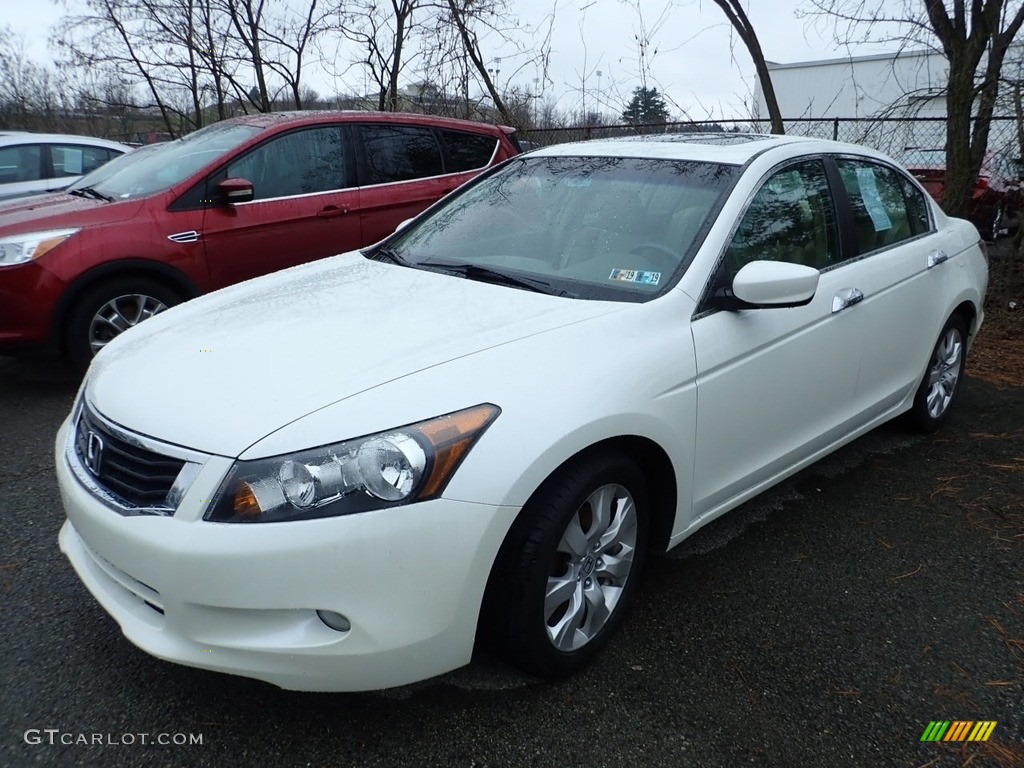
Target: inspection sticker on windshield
{"points": [[636, 276]]}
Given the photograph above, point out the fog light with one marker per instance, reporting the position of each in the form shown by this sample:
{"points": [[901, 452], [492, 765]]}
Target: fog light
{"points": [[335, 620]]}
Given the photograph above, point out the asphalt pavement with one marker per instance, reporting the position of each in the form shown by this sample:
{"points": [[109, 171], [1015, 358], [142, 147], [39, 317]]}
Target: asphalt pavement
{"points": [[826, 623]]}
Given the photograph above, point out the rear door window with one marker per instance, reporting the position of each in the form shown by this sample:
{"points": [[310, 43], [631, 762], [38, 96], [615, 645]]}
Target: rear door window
{"points": [[883, 214], [400, 153], [76, 159]]}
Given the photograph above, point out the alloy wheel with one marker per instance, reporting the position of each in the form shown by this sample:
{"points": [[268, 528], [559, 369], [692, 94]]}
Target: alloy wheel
{"points": [[118, 315], [592, 563], [947, 363]]}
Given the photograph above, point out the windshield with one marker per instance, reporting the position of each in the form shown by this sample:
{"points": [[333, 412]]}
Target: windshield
{"points": [[113, 166], [170, 163], [592, 227]]}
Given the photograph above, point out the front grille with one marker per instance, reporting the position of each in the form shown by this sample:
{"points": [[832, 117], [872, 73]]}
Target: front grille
{"points": [[135, 475]]}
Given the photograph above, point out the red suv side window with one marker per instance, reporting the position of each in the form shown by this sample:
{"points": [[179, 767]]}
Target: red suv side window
{"points": [[297, 163], [400, 152], [468, 151]]}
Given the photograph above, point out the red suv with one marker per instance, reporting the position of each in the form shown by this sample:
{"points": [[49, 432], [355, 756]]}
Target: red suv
{"points": [[997, 199], [237, 199]]}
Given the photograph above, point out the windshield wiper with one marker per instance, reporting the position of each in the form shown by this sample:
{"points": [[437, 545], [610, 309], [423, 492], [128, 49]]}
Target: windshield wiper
{"points": [[90, 192], [388, 255], [489, 275]]}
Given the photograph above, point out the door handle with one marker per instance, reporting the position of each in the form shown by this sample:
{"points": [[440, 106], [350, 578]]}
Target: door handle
{"points": [[846, 298], [330, 211], [935, 258]]}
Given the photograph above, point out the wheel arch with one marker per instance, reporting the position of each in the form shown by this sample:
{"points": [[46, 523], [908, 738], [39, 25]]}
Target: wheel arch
{"points": [[658, 472], [969, 313], [659, 476], [116, 270]]}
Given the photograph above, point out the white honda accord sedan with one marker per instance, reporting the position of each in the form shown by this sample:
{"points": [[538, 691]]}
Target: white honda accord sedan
{"points": [[345, 475]]}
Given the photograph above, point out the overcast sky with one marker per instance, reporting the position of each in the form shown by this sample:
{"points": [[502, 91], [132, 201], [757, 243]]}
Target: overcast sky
{"points": [[688, 53]]}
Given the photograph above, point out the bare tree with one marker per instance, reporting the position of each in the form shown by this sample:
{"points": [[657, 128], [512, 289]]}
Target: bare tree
{"points": [[383, 32], [733, 10], [111, 35], [29, 93], [463, 14], [974, 40]]}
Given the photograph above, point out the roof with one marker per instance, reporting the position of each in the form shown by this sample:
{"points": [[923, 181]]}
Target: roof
{"points": [[725, 148], [313, 116], [729, 148], [917, 52], [891, 55], [8, 137]]}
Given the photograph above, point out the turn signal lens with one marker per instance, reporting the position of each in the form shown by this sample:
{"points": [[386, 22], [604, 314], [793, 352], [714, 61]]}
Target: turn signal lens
{"points": [[245, 504], [452, 437]]}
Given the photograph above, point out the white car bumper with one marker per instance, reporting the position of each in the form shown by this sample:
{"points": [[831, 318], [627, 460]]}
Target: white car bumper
{"points": [[243, 599]]}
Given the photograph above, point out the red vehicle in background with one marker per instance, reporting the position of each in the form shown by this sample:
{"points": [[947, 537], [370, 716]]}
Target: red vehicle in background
{"points": [[235, 200], [997, 200]]}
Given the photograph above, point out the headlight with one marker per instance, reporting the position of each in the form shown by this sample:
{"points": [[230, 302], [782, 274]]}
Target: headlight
{"points": [[400, 466], [17, 249]]}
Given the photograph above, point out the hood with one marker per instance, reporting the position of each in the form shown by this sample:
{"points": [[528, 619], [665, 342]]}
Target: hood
{"points": [[59, 210], [221, 372]]}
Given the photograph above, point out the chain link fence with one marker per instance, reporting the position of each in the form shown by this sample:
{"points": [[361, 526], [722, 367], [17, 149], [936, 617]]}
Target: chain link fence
{"points": [[892, 135]]}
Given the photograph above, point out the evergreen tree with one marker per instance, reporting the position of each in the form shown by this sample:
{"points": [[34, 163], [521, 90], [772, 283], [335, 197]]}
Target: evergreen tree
{"points": [[646, 107]]}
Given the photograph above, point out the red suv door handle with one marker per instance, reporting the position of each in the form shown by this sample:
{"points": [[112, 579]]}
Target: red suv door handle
{"points": [[330, 211]]}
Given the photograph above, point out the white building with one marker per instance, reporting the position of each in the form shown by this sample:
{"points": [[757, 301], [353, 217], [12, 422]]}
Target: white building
{"points": [[898, 84], [880, 92]]}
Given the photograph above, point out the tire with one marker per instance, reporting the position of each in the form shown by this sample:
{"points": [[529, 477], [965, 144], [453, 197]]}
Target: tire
{"points": [[110, 308], [998, 219], [941, 383], [562, 545]]}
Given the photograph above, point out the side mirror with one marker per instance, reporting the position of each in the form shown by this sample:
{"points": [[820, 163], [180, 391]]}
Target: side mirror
{"points": [[402, 225], [770, 284], [233, 191]]}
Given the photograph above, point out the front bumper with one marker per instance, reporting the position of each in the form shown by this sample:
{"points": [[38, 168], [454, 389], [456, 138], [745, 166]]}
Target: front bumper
{"points": [[242, 599], [28, 298]]}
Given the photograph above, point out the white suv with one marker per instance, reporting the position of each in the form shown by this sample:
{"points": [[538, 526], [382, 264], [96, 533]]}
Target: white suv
{"points": [[34, 163]]}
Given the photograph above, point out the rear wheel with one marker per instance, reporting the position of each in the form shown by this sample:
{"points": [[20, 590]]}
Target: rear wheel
{"points": [[570, 566], [941, 382], [998, 223], [106, 311]]}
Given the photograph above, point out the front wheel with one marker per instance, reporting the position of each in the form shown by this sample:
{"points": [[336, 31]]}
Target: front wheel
{"points": [[569, 569], [106, 311], [941, 382]]}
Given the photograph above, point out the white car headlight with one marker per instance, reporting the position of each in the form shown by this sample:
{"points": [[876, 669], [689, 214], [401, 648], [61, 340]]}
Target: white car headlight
{"points": [[400, 466], [17, 249]]}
